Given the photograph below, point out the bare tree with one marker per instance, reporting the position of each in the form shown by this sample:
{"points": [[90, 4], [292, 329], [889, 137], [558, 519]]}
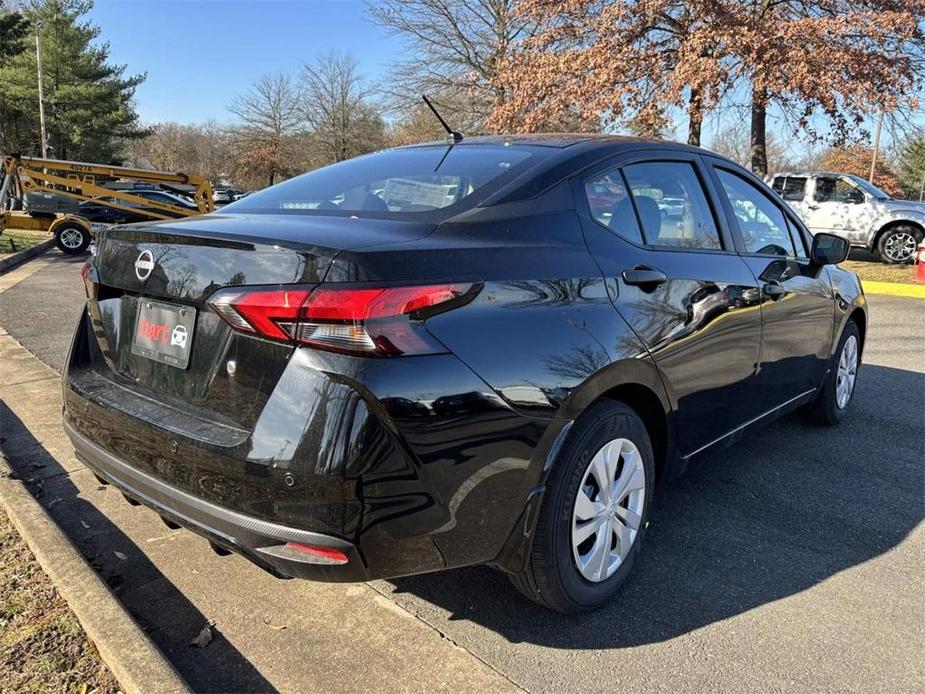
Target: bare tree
{"points": [[733, 141], [453, 53], [269, 117], [341, 121], [417, 124], [202, 149]]}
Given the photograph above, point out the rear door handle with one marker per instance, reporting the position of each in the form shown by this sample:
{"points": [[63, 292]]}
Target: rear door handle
{"points": [[774, 290], [642, 276]]}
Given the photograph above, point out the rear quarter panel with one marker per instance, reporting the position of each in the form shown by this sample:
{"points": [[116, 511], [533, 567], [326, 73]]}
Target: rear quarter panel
{"points": [[543, 327]]}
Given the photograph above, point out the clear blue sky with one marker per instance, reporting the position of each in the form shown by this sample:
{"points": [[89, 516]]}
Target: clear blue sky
{"points": [[200, 53]]}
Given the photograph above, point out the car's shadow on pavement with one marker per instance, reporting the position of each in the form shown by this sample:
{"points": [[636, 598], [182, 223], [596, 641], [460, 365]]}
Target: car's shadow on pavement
{"points": [[765, 519], [159, 607]]}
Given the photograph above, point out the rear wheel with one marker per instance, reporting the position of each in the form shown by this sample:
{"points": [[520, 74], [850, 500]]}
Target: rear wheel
{"points": [[898, 244], [72, 238], [837, 392], [594, 512]]}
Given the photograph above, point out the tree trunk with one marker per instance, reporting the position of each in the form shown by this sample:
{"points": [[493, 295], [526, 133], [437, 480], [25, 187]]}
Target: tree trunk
{"points": [[759, 140], [695, 112]]}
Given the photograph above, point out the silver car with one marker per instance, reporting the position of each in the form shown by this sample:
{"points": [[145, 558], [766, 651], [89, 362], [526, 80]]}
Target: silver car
{"points": [[850, 207]]}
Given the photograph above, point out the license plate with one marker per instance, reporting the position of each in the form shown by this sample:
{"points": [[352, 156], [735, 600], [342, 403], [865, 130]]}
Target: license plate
{"points": [[164, 332]]}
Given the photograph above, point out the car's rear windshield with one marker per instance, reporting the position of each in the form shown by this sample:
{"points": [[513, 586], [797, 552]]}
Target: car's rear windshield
{"points": [[410, 183]]}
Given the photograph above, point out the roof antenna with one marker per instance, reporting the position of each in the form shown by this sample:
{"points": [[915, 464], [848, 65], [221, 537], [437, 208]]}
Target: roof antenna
{"points": [[455, 136]]}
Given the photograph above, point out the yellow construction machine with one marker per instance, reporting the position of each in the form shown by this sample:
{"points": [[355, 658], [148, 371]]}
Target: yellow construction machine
{"points": [[45, 195]]}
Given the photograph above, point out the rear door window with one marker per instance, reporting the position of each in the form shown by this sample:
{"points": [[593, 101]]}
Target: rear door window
{"points": [[794, 188], [791, 188], [671, 205], [610, 204]]}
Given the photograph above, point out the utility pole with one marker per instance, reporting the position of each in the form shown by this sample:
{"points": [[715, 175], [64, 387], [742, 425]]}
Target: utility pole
{"points": [[38, 66], [873, 159]]}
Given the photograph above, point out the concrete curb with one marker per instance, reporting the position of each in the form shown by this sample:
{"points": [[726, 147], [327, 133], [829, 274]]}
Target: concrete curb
{"points": [[134, 660], [19, 258], [915, 291]]}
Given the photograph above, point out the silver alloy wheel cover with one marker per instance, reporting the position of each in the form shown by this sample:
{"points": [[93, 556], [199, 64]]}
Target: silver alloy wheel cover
{"points": [[608, 507], [71, 238], [900, 246], [847, 372]]}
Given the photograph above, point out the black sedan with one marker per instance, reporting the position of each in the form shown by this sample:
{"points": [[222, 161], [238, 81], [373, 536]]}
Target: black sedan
{"points": [[444, 355], [101, 215]]}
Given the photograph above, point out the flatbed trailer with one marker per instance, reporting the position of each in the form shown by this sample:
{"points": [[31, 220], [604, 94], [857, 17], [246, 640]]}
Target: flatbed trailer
{"points": [[82, 181]]}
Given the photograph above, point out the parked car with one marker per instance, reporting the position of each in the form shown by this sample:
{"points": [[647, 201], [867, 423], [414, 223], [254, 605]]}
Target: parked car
{"points": [[221, 196], [100, 215], [165, 197], [671, 207], [343, 388], [850, 207]]}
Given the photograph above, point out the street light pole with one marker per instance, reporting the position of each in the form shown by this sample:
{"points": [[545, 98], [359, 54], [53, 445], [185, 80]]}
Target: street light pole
{"points": [[38, 67], [873, 159]]}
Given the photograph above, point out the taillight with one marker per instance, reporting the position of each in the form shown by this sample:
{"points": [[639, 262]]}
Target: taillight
{"points": [[269, 313], [385, 321]]}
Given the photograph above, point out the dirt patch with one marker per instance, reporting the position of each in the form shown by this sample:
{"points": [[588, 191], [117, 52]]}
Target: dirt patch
{"points": [[42, 645]]}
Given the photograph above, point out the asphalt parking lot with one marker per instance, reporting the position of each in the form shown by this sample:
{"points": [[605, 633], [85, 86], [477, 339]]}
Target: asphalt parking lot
{"points": [[791, 562]]}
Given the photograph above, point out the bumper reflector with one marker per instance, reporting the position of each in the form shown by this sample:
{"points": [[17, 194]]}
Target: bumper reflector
{"points": [[307, 554]]}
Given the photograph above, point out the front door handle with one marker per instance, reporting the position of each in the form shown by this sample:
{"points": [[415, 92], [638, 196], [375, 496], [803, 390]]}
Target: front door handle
{"points": [[774, 290], [644, 276]]}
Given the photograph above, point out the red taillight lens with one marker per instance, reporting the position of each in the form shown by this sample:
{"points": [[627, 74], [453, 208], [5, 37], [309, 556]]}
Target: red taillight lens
{"points": [[380, 320], [268, 313], [330, 304]]}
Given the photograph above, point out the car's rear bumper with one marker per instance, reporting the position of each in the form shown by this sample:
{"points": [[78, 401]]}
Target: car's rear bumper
{"points": [[413, 464], [223, 527]]}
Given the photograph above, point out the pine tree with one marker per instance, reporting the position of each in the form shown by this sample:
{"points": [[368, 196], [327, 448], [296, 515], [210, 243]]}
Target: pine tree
{"points": [[13, 29], [912, 167], [88, 101]]}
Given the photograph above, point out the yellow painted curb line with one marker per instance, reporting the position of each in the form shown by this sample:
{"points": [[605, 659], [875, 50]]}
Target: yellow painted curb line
{"points": [[916, 291]]}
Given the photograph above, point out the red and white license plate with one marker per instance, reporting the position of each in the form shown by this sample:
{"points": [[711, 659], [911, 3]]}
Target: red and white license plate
{"points": [[164, 332]]}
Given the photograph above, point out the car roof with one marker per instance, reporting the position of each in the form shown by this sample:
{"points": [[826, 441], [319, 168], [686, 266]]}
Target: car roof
{"points": [[563, 155], [553, 140]]}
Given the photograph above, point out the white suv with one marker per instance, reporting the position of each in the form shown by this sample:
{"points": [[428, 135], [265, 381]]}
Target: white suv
{"points": [[850, 207]]}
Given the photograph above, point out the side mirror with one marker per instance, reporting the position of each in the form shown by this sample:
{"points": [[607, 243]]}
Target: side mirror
{"points": [[829, 249]]}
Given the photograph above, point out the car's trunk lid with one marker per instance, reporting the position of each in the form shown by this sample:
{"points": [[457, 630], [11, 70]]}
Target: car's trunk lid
{"points": [[145, 271]]}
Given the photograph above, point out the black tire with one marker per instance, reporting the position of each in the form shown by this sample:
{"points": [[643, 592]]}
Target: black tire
{"points": [[68, 246], [893, 246], [824, 409], [551, 577]]}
